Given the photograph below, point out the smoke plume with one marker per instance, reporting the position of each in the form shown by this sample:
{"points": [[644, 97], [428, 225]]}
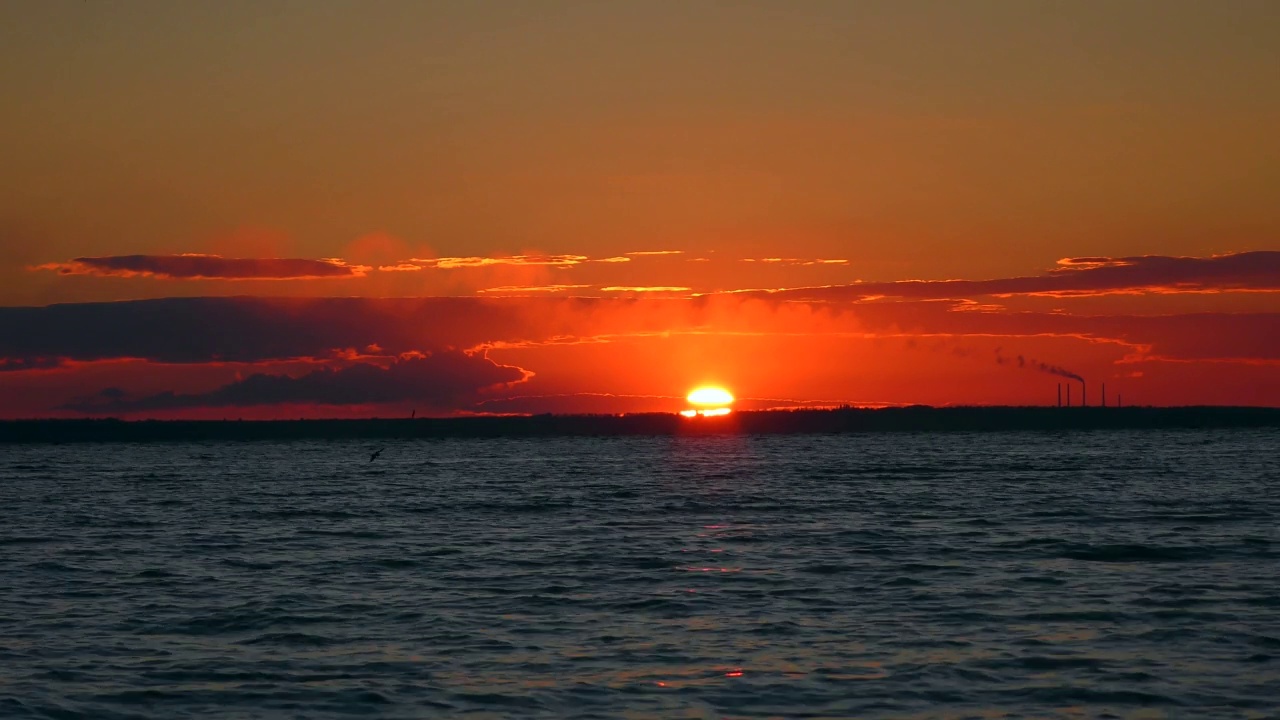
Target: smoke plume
{"points": [[1046, 367], [1033, 364]]}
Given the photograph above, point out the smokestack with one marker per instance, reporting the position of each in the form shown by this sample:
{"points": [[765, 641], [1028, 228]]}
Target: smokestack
{"points": [[1119, 400], [1068, 394], [1059, 394], [1084, 394]]}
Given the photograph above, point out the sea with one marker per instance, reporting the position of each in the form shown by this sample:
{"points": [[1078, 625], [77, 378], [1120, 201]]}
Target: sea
{"points": [[894, 575]]}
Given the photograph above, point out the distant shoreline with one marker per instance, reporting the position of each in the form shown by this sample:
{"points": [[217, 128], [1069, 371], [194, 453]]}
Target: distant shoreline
{"points": [[768, 422]]}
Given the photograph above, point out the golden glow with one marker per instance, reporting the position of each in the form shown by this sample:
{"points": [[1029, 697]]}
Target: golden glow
{"points": [[710, 395]]}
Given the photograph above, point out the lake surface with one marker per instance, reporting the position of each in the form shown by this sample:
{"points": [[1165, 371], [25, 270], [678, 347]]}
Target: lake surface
{"points": [[1082, 575]]}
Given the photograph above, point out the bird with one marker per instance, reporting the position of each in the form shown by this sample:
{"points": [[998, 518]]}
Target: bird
{"points": [[375, 454]]}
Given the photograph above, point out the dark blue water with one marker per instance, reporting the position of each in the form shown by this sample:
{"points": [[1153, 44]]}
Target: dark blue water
{"points": [[995, 575]]}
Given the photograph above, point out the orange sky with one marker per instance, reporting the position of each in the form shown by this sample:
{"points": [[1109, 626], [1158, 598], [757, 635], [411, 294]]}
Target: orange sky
{"points": [[611, 202]]}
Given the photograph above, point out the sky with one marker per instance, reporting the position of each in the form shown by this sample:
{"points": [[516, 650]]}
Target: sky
{"points": [[329, 208]]}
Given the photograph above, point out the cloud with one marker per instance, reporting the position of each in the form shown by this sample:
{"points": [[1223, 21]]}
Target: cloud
{"points": [[1257, 271], [518, 289], [656, 252], [454, 263], [790, 261], [644, 288], [258, 329], [193, 266], [253, 330], [189, 345], [477, 261], [448, 380], [1088, 262]]}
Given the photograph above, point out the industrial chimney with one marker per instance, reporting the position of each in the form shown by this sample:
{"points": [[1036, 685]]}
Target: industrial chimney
{"points": [[1084, 394], [1059, 394], [1068, 394]]}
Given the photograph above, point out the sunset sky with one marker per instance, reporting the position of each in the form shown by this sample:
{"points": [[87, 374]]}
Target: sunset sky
{"points": [[320, 208]]}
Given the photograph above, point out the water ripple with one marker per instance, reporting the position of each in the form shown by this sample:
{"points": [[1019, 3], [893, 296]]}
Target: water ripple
{"points": [[1021, 575]]}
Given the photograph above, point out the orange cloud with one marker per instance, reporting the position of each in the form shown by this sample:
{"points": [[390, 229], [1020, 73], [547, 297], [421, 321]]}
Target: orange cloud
{"points": [[477, 261], [789, 261], [516, 289], [453, 263]]}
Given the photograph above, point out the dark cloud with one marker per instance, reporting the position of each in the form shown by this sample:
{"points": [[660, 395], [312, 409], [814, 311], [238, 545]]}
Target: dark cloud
{"points": [[447, 380], [1247, 271], [206, 267], [246, 329], [1200, 336], [255, 329], [252, 330]]}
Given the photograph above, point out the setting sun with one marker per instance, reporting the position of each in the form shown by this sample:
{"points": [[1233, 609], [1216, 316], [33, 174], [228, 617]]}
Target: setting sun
{"points": [[710, 396]]}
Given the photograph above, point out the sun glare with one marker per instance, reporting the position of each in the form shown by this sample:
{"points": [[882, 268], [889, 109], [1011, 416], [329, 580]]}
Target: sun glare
{"points": [[708, 401], [710, 396]]}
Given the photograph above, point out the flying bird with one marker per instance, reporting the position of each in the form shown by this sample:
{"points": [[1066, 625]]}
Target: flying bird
{"points": [[375, 454]]}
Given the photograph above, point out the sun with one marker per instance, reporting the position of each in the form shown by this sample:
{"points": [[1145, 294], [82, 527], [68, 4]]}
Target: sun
{"points": [[708, 401], [710, 396]]}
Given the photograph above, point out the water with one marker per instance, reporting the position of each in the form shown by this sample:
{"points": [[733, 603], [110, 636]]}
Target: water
{"points": [[997, 575]]}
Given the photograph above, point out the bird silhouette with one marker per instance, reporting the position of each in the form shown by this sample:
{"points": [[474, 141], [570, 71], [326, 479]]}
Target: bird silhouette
{"points": [[375, 454]]}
